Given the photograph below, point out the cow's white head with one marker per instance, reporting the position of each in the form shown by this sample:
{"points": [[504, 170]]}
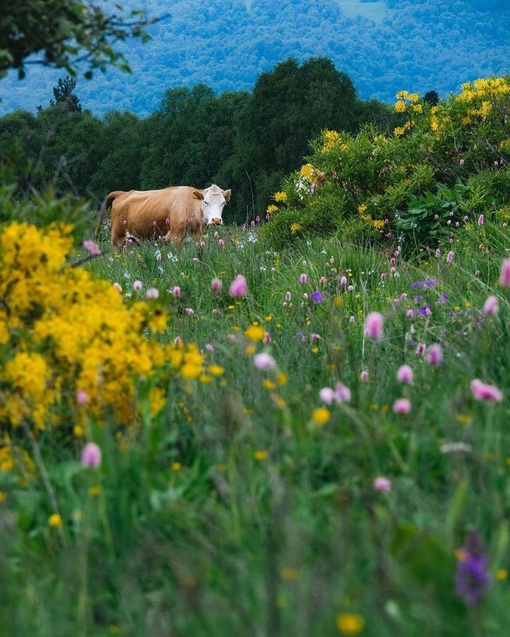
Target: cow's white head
{"points": [[213, 201]]}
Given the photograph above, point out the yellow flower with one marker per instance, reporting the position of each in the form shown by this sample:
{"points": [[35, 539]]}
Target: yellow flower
{"points": [[176, 466], [78, 431], [280, 196], [215, 370], [249, 350], [295, 227], [501, 574], [269, 384], [94, 490], [3, 496], [255, 333], [289, 574], [260, 455], [55, 520], [271, 209], [321, 416], [350, 623], [400, 106], [331, 140], [281, 378]]}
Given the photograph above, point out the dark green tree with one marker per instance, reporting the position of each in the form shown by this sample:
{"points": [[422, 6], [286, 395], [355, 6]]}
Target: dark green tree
{"points": [[122, 147], [191, 137], [64, 95], [431, 98], [289, 107]]}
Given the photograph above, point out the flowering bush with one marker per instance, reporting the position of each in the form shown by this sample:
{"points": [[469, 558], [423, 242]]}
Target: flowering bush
{"points": [[444, 166], [64, 334]]}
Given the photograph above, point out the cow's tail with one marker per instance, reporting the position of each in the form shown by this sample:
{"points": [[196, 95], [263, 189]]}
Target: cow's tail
{"points": [[106, 205]]}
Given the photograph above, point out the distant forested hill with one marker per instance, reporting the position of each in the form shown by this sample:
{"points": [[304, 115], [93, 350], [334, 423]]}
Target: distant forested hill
{"points": [[383, 45]]}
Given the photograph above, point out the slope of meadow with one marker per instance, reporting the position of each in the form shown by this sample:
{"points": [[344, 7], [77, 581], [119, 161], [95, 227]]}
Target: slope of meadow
{"points": [[228, 438]]}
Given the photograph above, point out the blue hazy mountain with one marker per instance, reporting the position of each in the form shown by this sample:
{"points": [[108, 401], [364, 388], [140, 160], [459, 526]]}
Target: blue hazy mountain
{"points": [[383, 45]]}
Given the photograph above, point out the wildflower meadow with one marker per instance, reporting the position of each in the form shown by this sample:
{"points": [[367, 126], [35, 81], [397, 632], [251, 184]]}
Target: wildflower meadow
{"points": [[282, 429]]}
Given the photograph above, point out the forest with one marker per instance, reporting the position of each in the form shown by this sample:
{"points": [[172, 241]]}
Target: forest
{"points": [[416, 45], [246, 141]]}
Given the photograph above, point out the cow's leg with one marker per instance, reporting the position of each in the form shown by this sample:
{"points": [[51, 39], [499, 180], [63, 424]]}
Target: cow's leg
{"points": [[118, 234]]}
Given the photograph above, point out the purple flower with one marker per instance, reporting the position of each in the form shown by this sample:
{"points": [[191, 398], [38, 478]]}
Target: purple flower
{"points": [[374, 325], [341, 394], [152, 293], [239, 287], [316, 297], [504, 277], [402, 406], [92, 248], [425, 284], [216, 285], [482, 391], [472, 577], [405, 374], [435, 354], [382, 484], [91, 455], [491, 306], [265, 362], [82, 398]]}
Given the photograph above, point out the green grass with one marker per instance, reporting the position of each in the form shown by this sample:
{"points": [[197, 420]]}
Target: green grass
{"points": [[232, 512]]}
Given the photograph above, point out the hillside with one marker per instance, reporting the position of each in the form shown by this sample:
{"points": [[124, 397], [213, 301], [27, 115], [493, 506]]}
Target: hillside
{"points": [[383, 45]]}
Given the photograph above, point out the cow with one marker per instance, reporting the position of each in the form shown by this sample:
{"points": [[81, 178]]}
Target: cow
{"points": [[169, 213]]}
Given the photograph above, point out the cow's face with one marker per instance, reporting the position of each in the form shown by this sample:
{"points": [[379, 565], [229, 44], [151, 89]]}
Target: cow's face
{"points": [[213, 202]]}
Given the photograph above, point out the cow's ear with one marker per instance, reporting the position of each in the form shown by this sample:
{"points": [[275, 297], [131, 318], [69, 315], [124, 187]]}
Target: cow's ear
{"points": [[227, 194], [198, 194]]}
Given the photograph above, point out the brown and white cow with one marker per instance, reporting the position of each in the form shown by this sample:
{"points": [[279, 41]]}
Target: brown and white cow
{"points": [[169, 213]]}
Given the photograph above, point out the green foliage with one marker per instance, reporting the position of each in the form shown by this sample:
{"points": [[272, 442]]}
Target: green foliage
{"points": [[45, 209], [443, 166], [59, 31], [233, 496], [64, 95]]}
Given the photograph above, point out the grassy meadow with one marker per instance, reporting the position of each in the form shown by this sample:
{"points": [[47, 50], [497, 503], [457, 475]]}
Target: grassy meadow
{"points": [[254, 501], [300, 428]]}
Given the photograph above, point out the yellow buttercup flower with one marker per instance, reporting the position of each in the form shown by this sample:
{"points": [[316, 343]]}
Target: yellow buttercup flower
{"points": [[350, 623], [255, 333], [55, 520], [321, 416]]}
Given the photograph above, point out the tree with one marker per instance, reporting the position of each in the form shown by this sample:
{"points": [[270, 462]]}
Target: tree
{"points": [[63, 94], [431, 97], [64, 34], [288, 108]]}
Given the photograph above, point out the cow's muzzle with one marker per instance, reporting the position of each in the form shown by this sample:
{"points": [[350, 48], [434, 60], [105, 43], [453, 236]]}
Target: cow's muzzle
{"points": [[217, 221]]}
